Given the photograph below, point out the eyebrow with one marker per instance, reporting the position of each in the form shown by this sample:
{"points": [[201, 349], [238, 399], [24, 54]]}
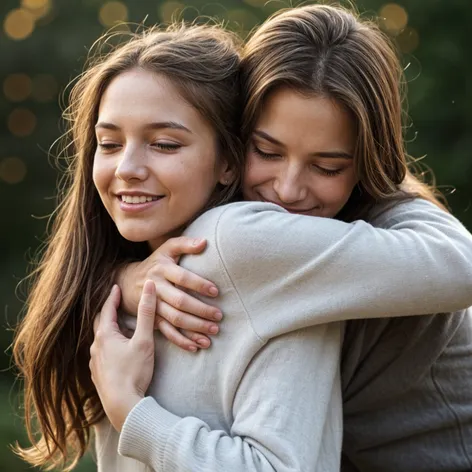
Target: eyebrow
{"points": [[333, 154], [151, 126]]}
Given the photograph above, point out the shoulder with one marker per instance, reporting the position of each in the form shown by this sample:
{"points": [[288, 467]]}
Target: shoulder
{"points": [[385, 215], [234, 233], [228, 219], [238, 211]]}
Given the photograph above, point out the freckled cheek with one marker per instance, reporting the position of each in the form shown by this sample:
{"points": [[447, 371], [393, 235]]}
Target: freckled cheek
{"points": [[197, 181]]}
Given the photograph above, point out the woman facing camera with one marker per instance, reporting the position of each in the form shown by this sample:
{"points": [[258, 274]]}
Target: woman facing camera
{"points": [[154, 136]]}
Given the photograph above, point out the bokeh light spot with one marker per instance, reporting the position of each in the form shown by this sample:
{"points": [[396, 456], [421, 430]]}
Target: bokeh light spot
{"points": [[12, 170], [113, 12], [394, 18], [37, 8], [408, 40], [169, 10], [18, 24], [44, 88], [17, 87], [21, 122], [34, 4]]}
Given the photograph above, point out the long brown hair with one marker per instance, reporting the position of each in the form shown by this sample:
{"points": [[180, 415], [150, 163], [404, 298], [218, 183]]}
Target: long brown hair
{"points": [[330, 51], [76, 271]]}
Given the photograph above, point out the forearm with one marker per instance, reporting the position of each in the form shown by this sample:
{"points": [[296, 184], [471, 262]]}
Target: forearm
{"points": [[164, 441], [276, 426], [336, 271]]}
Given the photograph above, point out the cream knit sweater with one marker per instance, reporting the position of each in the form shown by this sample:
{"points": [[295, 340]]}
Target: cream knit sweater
{"points": [[266, 395]]}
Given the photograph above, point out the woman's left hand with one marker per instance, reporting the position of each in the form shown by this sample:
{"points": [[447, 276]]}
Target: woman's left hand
{"points": [[121, 367]]}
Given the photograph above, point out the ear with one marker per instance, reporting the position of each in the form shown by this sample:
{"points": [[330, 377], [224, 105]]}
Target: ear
{"points": [[227, 174]]}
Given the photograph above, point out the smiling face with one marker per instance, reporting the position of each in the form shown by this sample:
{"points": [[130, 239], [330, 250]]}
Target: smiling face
{"points": [[301, 154], [156, 163]]}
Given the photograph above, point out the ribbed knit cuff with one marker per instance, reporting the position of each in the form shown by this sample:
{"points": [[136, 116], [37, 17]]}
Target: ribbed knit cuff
{"points": [[145, 432]]}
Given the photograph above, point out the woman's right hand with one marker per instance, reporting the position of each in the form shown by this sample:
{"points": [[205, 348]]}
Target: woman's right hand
{"points": [[181, 318]]}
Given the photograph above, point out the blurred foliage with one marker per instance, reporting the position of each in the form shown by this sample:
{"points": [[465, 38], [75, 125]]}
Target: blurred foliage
{"points": [[44, 43]]}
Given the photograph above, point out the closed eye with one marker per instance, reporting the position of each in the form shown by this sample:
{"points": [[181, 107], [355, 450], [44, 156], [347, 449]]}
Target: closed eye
{"points": [[167, 146], [264, 155], [108, 146], [328, 172]]}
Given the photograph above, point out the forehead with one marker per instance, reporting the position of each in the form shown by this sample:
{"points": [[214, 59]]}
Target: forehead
{"points": [[138, 96], [292, 117]]}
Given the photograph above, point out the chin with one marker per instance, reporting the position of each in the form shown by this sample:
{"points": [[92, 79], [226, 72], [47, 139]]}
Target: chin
{"points": [[135, 235]]}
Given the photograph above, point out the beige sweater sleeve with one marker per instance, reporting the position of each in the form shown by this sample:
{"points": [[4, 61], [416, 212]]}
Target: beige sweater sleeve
{"points": [[287, 416], [332, 271], [293, 272]]}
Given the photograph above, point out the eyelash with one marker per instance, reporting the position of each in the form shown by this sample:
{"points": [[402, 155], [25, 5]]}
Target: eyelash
{"points": [[330, 173], [263, 154], [167, 146], [108, 146], [268, 157], [161, 146]]}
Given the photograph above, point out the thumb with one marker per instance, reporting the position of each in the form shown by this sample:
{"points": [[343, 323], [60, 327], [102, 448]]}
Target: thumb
{"points": [[146, 312]]}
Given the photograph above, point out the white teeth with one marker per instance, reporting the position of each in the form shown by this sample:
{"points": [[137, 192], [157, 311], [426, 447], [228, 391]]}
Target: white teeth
{"points": [[137, 199]]}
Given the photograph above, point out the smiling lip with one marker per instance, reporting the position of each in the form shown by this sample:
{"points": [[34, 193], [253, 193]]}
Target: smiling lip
{"points": [[137, 207]]}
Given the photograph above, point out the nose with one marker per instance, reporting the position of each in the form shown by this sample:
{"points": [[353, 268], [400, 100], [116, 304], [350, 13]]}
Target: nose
{"points": [[289, 184], [132, 165]]}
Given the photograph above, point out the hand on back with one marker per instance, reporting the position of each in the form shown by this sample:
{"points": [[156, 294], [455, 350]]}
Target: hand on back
{"points": [[182, 318]]}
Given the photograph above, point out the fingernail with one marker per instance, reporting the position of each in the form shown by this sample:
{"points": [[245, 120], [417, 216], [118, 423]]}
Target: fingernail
{"points": [[192, 348], [196, 242], [218, 316], [213, 291], [213, 329], [203, 342]]}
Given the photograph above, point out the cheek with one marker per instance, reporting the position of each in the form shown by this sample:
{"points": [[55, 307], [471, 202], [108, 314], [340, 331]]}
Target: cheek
{"points": [[102, 175], [335, 191], [256, 172], [98, 174], [195, 177]]}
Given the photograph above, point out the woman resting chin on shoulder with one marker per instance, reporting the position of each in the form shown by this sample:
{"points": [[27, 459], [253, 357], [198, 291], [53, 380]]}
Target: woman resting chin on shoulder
{"points": [[323, 129]]}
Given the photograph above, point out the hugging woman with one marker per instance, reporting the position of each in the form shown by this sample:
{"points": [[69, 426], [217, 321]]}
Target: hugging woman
{"points": [[335, 202]]}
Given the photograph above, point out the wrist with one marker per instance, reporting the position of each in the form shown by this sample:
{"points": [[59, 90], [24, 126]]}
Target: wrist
{"points": [[121, 408], [127, 277]]}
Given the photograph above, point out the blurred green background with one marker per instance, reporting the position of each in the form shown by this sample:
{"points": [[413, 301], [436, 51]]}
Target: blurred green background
{"points": [[43, 44]]}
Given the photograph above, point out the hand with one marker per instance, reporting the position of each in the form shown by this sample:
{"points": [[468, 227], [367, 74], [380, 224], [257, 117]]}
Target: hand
{"points": [[122, 368], [176, 308]]}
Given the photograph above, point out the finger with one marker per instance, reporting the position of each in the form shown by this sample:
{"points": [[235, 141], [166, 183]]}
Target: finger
{"points": [[201, 341], [175, 336], [188, 280], [184, 302], [146, 312], [108, 314], [183, 320], [176, 247]]}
